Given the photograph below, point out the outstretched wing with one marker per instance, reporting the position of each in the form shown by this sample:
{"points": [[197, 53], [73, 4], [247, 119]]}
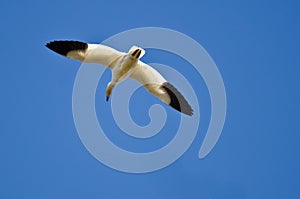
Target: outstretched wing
{"points": [[157, 85], [90, 53]]}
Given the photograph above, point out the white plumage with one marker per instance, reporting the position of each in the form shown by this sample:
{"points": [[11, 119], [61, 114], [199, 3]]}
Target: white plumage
{"points": [[124, 65]]}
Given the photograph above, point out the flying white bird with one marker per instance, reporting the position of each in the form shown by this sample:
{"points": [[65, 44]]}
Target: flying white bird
{"points": [[124, 65]]}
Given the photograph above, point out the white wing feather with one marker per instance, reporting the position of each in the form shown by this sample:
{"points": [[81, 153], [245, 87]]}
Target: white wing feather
{"points": [[145, 74], [98, 54], [151, 79]]}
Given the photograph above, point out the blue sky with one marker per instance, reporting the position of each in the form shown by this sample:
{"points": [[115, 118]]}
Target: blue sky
{"points": [[255, 44]]}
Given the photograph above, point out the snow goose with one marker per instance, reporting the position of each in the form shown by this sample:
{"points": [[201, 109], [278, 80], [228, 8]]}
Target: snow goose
{"points": [[124, 65]]}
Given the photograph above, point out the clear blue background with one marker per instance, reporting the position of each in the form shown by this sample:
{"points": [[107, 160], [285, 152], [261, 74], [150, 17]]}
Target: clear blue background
{"points": [[256, 47]]}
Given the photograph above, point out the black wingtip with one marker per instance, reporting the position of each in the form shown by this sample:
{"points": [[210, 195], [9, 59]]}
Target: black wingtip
{"points": [[178, 102], [63, 47]]}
